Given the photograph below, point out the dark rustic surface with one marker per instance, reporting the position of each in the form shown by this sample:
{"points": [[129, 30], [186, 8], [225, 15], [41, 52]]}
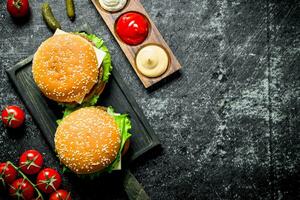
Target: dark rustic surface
{"points": [[229, 123]]}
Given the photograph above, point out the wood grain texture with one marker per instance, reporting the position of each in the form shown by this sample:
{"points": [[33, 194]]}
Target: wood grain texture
{"points": [[154, 37], [46, 112]]}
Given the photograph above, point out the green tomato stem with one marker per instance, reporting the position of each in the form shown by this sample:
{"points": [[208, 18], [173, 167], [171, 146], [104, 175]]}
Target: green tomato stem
{"points": [[40, 196]]}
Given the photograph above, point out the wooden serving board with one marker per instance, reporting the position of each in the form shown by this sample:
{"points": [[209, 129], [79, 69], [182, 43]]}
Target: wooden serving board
{"points": [[154, 37], [45, 112]]}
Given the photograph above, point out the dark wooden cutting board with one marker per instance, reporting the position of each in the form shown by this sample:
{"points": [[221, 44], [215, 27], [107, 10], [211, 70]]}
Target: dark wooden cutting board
{"points": [[116, 94]]}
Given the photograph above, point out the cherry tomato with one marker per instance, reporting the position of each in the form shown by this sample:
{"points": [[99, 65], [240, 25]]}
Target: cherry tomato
{"points": [[60, 195], [7, 174], [21, 189], [48, 180], [13, 116], [31, 162], [17, 8]]}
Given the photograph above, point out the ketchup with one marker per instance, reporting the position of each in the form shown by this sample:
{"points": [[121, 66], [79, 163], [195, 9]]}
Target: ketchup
{"points": [[132, 28]]}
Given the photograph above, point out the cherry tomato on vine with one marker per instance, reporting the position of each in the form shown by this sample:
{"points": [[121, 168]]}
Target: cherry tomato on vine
{"points": [[48, 180], [7, 174], [13, 116], [31, 162], [60, 195], [21, 189]]}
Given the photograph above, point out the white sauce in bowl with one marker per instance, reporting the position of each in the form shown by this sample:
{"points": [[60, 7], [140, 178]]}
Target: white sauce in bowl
{"points": [[112, 5], [152, 61]]}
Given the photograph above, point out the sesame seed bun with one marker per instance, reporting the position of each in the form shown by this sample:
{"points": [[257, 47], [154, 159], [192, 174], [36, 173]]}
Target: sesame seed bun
{"points": [[65, 68], [87, 140]]}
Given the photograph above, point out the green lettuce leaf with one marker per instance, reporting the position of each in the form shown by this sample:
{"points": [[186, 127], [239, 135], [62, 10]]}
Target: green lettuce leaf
{"points": [[106, 63], [124, 125], [91, 101], [69, 108]]}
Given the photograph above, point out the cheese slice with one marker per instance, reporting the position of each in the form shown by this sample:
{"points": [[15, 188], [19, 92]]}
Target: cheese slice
{"points": [[99, 53]]}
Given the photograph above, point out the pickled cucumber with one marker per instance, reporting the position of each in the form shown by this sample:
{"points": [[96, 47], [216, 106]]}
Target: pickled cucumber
{"points": [[49, 18], [70, 9]]}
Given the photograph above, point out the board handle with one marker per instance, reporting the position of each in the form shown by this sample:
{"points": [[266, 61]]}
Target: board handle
{"points": [[133, 188]]}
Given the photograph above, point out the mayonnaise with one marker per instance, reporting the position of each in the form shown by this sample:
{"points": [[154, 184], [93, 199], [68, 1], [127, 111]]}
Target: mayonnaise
{"points": [[112, 5], [152, 61]]}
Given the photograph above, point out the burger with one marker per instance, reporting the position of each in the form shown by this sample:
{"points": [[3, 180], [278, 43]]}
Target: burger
{"points": [[72, 68], [92, 140]]}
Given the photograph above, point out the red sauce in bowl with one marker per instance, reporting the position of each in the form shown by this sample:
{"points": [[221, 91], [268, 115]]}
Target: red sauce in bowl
{"points": [[132, 28]]}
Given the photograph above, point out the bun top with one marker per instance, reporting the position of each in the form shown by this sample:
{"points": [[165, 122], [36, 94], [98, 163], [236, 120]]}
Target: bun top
{"points": [[87, 140], [65, 68]]}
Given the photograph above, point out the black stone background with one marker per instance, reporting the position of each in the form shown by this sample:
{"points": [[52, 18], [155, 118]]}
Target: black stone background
{"points": [[229, 123]]}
